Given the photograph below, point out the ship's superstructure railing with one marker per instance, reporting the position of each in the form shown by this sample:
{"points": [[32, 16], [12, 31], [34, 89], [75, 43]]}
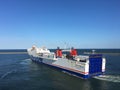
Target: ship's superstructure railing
{"points": [[45, 53]]}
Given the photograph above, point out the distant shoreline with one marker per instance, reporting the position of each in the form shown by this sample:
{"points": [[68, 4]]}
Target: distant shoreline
{"points": [[13, 52], [104, 53]]}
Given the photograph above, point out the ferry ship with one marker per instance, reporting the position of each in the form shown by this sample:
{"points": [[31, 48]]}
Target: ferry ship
{"points": [[83, 66]]}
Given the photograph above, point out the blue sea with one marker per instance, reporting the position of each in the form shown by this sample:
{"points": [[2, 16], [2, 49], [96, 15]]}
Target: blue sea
{"points": [[18, 72]]}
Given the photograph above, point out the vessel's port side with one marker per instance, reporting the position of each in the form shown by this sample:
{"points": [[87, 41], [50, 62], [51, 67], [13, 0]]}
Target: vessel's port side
{"points": [[90, 67], [73, 73]]}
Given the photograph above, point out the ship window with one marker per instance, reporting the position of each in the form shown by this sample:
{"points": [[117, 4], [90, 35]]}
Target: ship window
{"points": [[83, 60], [40, 54]]}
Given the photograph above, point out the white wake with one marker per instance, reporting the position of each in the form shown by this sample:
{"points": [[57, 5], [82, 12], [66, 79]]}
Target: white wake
{"points": [[7, 73], [111, 78]]}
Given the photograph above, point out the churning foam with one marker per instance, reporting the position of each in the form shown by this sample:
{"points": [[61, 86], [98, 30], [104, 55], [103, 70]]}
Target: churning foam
{"points": [[111, 78]]}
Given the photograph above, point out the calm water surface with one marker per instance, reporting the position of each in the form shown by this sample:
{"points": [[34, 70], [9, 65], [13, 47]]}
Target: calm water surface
{"points": [[18, 72]]}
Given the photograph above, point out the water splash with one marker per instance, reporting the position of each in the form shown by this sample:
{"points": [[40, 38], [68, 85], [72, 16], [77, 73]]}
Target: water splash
{"points": [[111, 78], [25, 62]]}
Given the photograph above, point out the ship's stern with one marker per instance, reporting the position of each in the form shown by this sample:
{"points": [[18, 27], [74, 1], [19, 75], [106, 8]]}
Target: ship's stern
{"points": [[96, 65]]}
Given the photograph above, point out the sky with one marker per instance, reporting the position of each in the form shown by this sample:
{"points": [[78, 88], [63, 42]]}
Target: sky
{"points": [[52, 23]]}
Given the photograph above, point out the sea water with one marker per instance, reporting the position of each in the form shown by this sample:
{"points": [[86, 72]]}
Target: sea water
{"points": [[18, 72]]}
